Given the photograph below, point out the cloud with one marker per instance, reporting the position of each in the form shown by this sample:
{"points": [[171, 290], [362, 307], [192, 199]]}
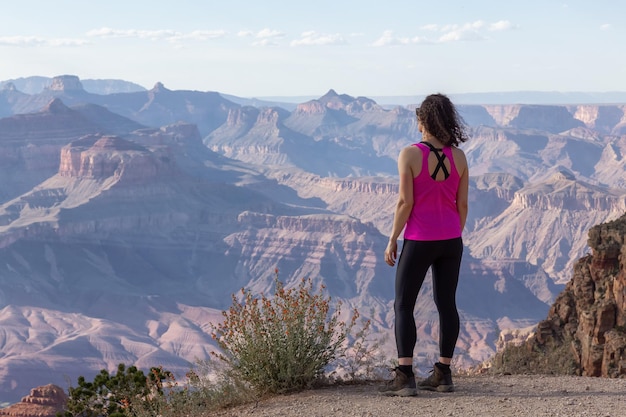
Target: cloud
{"points": [[67, 42], [606, 26], [501, 25], [30, 41], [312, 38], [431, 27], [265, 37], [472, 31], [269, 33], [388, 39], [156, 35], [199, 35], [268, 37], [22, 41], [466, 32], [130, 33], [265, 42]]}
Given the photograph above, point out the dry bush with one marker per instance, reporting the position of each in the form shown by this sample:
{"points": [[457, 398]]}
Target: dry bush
{"points": [[553, 358], [282, 343]]}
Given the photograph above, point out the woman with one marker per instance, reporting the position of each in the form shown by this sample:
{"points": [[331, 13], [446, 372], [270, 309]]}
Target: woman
{"points": [[432, 209]]}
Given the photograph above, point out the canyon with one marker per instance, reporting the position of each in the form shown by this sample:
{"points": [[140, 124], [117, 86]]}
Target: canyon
{"points": [[128, 219]]}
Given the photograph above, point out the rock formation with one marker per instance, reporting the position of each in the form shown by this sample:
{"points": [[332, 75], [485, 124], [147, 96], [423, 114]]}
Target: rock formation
{"points": [[65, 83], [605, 119], [95, 157], [43, 401], [564, 191], [590, 314]]}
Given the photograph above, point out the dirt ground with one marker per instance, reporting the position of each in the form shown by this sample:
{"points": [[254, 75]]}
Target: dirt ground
{"points": [[475, 396]]}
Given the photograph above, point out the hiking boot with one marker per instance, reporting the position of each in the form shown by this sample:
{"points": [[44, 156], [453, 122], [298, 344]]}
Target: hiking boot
{"points": [[401, 386], [438, 380]]}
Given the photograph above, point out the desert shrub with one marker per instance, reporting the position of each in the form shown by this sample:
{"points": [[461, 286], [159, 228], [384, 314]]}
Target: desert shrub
{"points": [[202, 392], [159, 394], [113, 394], [282, 343], [268, 345]]}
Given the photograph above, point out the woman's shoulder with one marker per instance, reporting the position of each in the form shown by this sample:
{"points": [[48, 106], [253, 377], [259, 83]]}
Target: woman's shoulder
{"points": [[457, 151], [411, 156], [459, 158], [411, 149]]}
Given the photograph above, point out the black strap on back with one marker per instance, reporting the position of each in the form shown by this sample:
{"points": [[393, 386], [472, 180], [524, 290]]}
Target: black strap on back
{"points": [[440, 158]]}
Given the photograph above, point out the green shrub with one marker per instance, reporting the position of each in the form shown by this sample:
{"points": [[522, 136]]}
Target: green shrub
{"points": [[200, 393], [282, 343], [113, 395], [131, 393]]}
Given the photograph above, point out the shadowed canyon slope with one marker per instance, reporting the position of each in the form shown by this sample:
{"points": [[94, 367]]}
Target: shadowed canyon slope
{"points": [[127, 220]]}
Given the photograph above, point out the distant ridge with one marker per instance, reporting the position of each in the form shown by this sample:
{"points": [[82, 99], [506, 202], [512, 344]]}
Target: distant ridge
{"points": [[541, 97], [36, 84], [507, 97]]}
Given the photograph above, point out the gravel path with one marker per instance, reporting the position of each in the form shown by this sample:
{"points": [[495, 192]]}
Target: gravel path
{"points": [[475, 396]]}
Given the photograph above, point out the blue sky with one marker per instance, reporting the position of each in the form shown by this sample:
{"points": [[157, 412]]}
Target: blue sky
{"points": [[257, 48]]}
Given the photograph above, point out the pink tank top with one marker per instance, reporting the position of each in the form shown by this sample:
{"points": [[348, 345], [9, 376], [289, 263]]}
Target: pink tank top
{"points": [[434, 215]]}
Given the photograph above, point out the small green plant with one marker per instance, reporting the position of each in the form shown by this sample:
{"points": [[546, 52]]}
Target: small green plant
{"points": [[202, 392], [282, 343], [113, 395]]}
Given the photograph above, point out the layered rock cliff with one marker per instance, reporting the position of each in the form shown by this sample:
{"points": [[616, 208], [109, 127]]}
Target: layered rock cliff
{"points": [[590, 314], [605, 119], [95, 157], [563, 191], [45, 401], [66, 83], [608, 119]]}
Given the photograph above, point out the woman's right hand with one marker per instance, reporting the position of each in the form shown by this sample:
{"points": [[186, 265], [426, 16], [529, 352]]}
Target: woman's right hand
{"points": [[391, 252]]}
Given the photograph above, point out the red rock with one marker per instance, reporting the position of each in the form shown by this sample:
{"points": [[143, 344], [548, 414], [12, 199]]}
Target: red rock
{"points": [[591, 310], [43, 401]]}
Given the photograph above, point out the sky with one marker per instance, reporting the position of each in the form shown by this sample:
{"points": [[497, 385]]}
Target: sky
{"points": [[274, 48]]}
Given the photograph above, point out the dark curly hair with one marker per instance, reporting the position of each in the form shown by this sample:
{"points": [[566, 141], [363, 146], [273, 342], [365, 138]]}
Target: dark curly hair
{"points": [[440, 118]]}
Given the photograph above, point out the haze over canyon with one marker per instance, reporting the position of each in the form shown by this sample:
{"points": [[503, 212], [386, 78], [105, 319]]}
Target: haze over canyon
{"points": [[128, 217]]}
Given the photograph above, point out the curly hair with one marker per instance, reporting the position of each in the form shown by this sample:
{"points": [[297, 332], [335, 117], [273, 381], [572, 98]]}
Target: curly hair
{"points": [[440, 118]]}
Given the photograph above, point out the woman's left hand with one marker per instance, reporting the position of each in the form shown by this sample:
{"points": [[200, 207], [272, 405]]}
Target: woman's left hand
{"points": [[391, 252]]}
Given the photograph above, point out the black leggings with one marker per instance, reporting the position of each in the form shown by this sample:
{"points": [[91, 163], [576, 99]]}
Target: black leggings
{"points": [[415, 259]]}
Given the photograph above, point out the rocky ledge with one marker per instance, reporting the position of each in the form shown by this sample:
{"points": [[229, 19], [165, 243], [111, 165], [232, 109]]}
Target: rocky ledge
{"points": [[590, 314]]}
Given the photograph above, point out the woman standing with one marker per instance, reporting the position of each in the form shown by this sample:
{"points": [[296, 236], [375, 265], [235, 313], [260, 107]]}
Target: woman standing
{"points": [[432, 209]]}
